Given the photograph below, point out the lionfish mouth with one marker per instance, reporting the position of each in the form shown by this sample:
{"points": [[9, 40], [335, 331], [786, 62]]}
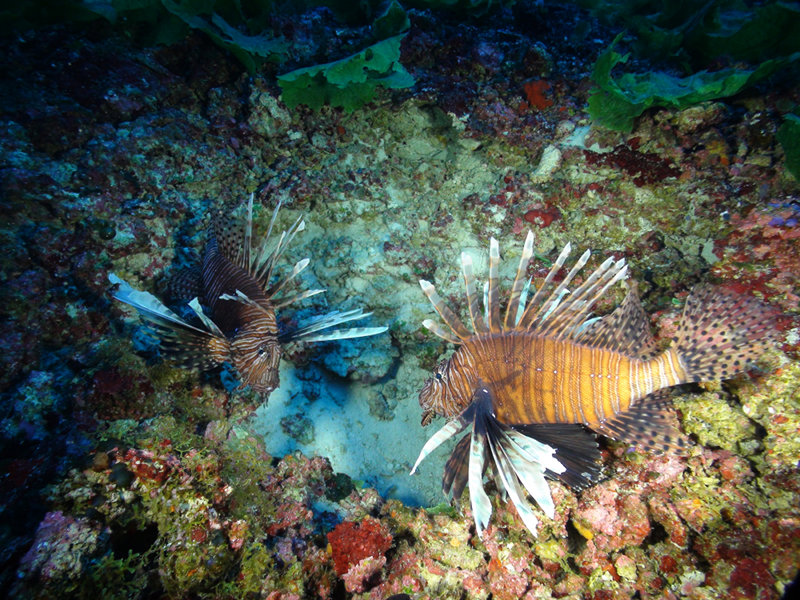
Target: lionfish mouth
{"points": [[517, 462]]}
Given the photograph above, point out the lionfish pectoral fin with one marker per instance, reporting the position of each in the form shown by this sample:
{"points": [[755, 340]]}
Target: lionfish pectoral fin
{"points": [[576, 451], [650, 424], [456, 469], [478, 499], [185, 344], [451, 428], [310, 331], [511, 468]]}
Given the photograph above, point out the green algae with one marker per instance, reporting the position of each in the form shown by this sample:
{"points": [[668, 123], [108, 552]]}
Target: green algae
{"points": [[775, 405], [714, 421]]}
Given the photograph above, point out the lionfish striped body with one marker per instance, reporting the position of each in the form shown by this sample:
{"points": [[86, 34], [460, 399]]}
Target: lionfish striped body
{"points": [[236, 286], [532, 384]]}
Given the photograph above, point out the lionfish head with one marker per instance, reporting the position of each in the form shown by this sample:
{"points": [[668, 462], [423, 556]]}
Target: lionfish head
{"points": [[256, 356], [439, 394]]}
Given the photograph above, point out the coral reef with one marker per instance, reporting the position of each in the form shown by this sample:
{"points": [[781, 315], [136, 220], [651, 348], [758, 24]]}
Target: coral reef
{"points": [[125, 477]]}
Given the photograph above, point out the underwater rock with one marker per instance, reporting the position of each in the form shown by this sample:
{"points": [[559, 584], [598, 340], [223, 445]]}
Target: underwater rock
{"points": [[61, 547]]}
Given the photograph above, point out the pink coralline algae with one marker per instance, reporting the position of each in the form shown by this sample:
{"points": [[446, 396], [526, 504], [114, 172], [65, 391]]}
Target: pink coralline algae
{"points": [[360, 576], [61, 546]]}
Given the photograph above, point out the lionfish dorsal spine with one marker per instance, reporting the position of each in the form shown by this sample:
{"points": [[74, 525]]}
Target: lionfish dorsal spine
{"points": [[194, 304], [539, 303], [567, 318], [447, 315], [554, 301], [493, 293], [519, 289], [478, 325]]}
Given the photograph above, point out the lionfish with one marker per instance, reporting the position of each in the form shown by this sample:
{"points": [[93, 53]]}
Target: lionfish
{"points": [[535, 385], [235, 283]]}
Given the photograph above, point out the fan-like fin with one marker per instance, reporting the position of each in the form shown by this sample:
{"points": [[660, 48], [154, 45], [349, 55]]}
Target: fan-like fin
{"points": [[258, 258], [244, 299], [451, 428], [576, 451], [456, 469], [194, 304], [626, 330], [185, 284], [479, 500], [564, 315], [721, 332], [509, 482], [531, 472], [478, 326], [229, 236], [149, 307], [571, 316], [650, 424], [514, 300], [297, 297], [553, 305], [538, 305], [450, 319], [298, 268], [184, 343], [263, 265]]}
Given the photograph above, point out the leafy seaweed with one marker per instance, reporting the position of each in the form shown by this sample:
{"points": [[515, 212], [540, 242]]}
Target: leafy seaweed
{"points": [[249, 49], [789, 137], [615, 103], [472, 7], [349, 82], [694, 33]]}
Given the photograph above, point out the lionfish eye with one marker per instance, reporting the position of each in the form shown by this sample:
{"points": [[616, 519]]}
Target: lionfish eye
{"points": [[438, 376], [262, 349]]}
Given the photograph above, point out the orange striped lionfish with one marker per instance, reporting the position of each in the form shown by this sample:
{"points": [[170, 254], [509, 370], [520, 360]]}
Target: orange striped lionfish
{"points": [[532, 385], [236, 285]]}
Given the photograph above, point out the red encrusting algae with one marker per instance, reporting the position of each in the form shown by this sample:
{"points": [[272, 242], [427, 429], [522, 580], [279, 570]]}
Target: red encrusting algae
{"points": [[352, 542]]}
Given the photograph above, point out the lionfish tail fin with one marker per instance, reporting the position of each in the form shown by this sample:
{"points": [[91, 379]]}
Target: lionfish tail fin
{"points": [[311, 331], [721, 332], [183, 343]]}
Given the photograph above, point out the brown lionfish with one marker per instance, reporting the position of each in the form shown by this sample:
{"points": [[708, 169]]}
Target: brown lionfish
{"points": [[533, 385], [235, 284]]}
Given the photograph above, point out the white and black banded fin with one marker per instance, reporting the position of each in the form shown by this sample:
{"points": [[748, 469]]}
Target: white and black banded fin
{"points": [[518, 462], [576, 449], [311, 330], [492, 291], [473, 304], [564, 312], [184, 343], [554, 311], [450, 319], [519, 289]]}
